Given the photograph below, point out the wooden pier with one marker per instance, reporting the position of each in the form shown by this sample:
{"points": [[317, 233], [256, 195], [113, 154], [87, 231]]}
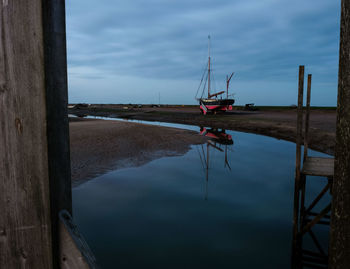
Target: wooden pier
{"points": [[307, 168], [336, 173]]}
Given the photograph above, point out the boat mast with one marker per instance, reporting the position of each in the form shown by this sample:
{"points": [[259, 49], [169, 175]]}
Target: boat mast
{"points": [[208, 66], [228, 83]]}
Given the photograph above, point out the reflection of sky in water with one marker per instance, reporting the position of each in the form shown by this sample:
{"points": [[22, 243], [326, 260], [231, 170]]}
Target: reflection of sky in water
{"points": [[155, 216]]}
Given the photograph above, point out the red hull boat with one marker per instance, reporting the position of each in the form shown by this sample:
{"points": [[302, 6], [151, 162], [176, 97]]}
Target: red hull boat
{"points": [[213, 104]]}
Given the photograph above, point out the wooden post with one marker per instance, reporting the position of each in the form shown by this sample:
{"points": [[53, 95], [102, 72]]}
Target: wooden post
{"points": [[54, 30], [307, 116], [306, 134], [25, 219], [298, 146], [340, 222], [35, 184], [299, 133], [297, 167]]}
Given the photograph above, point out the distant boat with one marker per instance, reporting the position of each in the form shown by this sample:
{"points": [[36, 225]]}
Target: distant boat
{"points": [[212, 103]]}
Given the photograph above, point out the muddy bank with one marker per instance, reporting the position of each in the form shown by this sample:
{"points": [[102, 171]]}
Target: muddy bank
{"points": [[98, 146], [280, 124]]}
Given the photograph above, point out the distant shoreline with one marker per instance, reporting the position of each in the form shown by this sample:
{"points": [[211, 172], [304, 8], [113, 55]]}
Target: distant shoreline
{"points": [[236, 107], [277, 122]]}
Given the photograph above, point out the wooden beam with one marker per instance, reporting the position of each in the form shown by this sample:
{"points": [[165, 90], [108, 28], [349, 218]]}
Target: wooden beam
{"points": [[316, 219], [307, 116], [54, 30], [216, 94], [298, 146], [25, 220], [317, 244], [35, 182], [317, 199], [318, 166], [340, 221], [296, 242]]}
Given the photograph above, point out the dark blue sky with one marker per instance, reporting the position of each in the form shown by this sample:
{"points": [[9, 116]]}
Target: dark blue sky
{"points": [[122, 51]]}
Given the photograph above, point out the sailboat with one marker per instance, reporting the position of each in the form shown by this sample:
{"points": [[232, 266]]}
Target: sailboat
{"points": [[214, 104]]}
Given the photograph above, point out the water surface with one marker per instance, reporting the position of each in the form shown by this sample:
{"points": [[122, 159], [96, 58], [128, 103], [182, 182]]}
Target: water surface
{"points": [[170, 213]]}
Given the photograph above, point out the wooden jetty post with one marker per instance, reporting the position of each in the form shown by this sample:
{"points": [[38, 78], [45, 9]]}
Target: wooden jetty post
{"points": [[35, 183], [297, 164], [340, 223], [306, 134], [307, 116]]}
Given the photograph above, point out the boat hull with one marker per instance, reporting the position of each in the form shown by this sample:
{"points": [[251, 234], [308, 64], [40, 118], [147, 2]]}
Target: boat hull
{"points": [[215, 105]]}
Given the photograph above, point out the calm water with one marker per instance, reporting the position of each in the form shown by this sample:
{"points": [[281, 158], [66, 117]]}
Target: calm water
{"points": [[170, 214]]}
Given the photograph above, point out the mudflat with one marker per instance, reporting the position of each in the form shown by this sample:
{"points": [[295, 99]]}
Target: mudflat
{"points": [[98, 146]]}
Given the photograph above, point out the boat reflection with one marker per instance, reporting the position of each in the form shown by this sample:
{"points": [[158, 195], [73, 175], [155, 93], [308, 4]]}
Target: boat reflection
{"points": [[217, 135], [218, 140]]}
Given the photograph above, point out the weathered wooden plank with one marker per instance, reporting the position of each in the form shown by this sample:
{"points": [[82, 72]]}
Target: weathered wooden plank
{"points": [[340, 221], [74, 251], [25, 227], [318, 166]]}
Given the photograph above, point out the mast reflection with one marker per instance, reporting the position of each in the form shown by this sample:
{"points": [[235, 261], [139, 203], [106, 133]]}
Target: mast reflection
{"points": [[218, 140]]}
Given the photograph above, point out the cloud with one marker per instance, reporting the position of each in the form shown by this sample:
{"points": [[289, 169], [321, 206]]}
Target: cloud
{"points": [[263, 41]]}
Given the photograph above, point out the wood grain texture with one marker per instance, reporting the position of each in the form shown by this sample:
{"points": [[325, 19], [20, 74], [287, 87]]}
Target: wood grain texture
{"points": [[340, 221], [25, 227], [74, 252], [318, 166]]}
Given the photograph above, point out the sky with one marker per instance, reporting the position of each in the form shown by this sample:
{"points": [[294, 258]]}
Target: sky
{"points": [[123, 51]]}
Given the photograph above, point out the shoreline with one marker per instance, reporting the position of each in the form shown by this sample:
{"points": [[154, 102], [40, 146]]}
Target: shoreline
{"points": [[99, 146], [280, 124]]}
